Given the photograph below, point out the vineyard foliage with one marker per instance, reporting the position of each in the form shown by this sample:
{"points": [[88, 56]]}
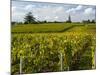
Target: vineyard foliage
{"points": [[42, 52]]}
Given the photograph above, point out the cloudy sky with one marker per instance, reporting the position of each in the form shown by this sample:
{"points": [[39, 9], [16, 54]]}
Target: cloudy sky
{"points": [[52, 11]]}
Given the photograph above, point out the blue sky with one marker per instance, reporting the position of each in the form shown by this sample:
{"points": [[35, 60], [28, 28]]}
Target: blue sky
{"points": [[52, 11]]}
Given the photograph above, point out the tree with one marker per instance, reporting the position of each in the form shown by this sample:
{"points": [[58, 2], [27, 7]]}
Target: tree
{"points": [[29, 19], [45, 21], [88, 21], [13, 23], [93, 21]]}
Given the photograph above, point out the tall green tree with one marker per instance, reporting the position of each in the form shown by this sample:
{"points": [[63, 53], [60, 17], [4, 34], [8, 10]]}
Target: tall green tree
{"points": [[29, 19]]}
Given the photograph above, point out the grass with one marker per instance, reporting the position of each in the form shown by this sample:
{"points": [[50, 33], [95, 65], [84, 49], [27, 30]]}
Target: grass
{"points": [[52, 27], [83, 28]]}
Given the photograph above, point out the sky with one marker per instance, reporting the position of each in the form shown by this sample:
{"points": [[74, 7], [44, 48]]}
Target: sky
{"points": [[52, 11]]}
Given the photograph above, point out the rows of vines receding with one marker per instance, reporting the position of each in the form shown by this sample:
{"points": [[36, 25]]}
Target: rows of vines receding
{"points": [[42, 52]]}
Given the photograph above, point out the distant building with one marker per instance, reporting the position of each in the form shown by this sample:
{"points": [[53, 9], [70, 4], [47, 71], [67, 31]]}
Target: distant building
{"points": [[69, 19]]}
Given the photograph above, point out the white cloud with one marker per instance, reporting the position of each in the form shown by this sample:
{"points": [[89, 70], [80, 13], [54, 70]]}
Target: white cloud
{"points": [[73, 10], [59, 9], [56, 17], [13, 8], [29, 7], [79, 7], [50, 13], [46, 17], [89, 11], [18, 16], [36, 16]]}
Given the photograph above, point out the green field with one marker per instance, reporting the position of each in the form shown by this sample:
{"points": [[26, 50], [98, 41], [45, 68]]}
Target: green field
{"points": [[53, 47], [50, 27]]}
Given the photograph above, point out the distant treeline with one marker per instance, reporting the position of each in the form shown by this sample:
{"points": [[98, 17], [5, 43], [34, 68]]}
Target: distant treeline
{"points": [[41, 22], [30, 19]]}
